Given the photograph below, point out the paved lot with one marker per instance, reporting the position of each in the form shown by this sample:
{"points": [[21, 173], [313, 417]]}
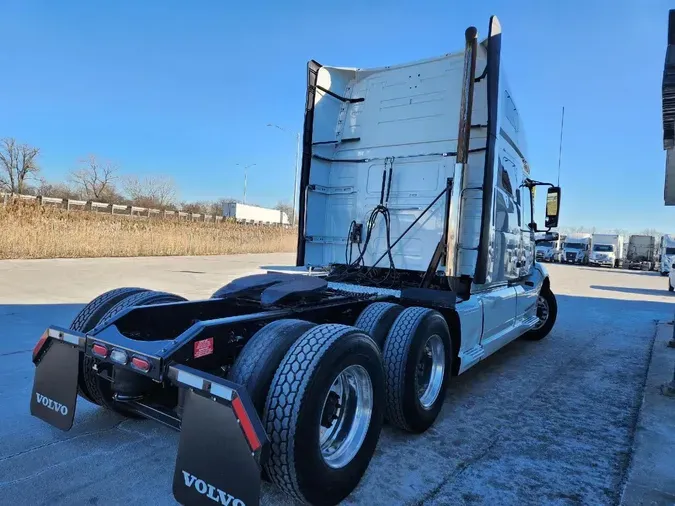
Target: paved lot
{"points": [[548, 422]]}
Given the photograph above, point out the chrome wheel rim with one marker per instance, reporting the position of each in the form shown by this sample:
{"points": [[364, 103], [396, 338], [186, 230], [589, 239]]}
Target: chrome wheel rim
{"points": [[542, 312], [345, 416], [430, 371]]}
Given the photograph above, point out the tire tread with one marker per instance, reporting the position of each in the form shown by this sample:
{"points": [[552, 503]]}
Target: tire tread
{"points": [[395, 354], [248, 366], [102, 304], [375, 316], [282, 407], [88, 318], [143, 298]]}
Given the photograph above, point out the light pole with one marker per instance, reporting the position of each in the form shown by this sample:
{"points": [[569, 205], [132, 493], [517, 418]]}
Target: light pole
{"points": [[296, 170], [246, 167]]}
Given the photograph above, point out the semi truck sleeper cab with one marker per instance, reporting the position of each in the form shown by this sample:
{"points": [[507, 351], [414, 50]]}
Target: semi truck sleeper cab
{"points": [[415, 261]]}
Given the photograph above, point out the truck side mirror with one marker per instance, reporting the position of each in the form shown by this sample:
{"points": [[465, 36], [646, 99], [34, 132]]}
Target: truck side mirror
{"points": [[552, 207]]}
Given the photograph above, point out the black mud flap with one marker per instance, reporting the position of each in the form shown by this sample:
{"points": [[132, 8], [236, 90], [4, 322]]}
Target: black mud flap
{"points": [[222, 444], [55, 384]]}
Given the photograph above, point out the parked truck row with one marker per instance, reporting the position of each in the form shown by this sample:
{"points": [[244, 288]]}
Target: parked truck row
{"points": [[640, 252]]}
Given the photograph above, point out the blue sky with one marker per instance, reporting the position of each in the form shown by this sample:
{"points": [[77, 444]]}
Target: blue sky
{"points": [[186, 88]]}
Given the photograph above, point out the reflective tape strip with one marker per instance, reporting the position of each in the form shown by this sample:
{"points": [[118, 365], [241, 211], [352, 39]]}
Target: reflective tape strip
{"points": [[216, 389], [246, 425], [190, 379], [222, 391], [71, 339], [62, 336]]}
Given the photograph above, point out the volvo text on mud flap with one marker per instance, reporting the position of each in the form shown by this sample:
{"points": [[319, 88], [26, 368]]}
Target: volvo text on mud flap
{"points": [[222, 448]]}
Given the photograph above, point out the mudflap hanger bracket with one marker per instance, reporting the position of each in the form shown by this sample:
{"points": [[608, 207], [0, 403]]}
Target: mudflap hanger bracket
{"points": [[223, 445], [57, 359]]}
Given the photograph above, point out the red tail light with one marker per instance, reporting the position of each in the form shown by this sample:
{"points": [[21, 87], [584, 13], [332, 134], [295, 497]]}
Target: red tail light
{"points": [[99, 350], [38, 346], [141, 364]]}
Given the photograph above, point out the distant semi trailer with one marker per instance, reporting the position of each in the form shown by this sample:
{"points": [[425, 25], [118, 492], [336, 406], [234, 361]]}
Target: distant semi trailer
{"points": [[245, 213]]}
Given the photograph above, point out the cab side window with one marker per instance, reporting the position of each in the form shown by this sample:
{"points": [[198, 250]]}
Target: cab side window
{"points": [[510, 200], [504, 179], [511, 111]]}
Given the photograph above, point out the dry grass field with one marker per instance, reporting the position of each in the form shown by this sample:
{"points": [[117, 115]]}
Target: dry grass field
{"points": [[30, 231]]}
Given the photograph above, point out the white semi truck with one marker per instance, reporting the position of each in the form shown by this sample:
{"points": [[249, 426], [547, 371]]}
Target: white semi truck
{"points": [[667, 253], [641, 252], [549, 250], [607, 250], [577, 248], [415, 261]]}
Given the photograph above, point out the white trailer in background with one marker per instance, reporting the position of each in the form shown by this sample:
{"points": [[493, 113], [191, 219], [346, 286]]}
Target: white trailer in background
{"points": [[245, 213], [576, 249], [641, 252], [667, 256], [607, 250]]}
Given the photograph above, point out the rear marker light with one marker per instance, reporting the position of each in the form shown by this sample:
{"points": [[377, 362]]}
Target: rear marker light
{"points": [[246, 425], [141, 364], [99, 350], [119, 357]]}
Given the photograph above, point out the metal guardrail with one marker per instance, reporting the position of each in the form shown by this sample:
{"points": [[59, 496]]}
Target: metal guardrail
{"points": [[122, 209]]}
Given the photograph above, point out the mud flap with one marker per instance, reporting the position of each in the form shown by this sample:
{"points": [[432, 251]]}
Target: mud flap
{"points": [[222, 444], [55, 385]]}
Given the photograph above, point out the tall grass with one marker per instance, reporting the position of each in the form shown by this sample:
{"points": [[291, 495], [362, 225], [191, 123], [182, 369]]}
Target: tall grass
{"points": [[30, 231]]}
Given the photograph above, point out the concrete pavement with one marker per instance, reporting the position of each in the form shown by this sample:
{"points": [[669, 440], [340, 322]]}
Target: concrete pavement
{"points": [[545, 422]]}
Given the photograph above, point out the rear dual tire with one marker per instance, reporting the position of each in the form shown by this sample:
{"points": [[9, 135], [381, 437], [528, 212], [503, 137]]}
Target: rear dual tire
{"points": [[417, 356], [88, 317], [314, 372], [260, 357], [406, 337], [377, 319], [332, 374], [98, 312]]}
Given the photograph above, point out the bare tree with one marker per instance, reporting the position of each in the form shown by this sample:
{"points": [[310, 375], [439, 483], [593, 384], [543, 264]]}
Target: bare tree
{"points": [[651, 231], [151, 191], [214, 207], [196, 207], [285, 208], [17, 165], [94, 179], [58, 190]]}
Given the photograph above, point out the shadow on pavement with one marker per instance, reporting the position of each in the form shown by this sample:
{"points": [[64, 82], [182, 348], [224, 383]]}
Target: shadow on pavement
{"points": [[622, 271], [639, 291], [552, 400], [21, 325], [570, 401]]}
